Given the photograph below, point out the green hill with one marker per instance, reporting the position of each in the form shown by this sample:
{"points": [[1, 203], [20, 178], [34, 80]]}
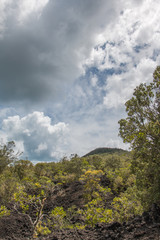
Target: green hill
{"points": [[105, 150]]}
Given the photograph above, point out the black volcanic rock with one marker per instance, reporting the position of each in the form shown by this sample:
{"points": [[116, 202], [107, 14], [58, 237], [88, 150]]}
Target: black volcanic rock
{"points": [[145, 227]]}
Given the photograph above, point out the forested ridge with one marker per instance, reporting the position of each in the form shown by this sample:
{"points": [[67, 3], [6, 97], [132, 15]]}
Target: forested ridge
{"points": [[79, 196], [105, 150]]}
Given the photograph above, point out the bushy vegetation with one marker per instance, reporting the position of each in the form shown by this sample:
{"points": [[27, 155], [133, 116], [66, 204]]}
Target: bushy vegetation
{"points": [[141, 129], [108, 191], [116, 185]]}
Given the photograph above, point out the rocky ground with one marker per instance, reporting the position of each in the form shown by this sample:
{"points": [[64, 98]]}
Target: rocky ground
{"points": [[145, 227]]}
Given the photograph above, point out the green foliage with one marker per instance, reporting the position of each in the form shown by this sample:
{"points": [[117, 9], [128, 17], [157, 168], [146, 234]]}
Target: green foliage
{"points": [[23, 168], [4, 211], [58, 217], [63, 177], [73, 167], [92, 187], [42, 230], [127, 205], [141, 129], [105, 150], [121, 178], [44, 170], [8, 184], [7, 155], [29, 203], [109, 182], [94, 213], [25, 201]]}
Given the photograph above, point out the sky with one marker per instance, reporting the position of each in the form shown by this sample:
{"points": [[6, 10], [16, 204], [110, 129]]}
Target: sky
{"points": [[67, 67]]}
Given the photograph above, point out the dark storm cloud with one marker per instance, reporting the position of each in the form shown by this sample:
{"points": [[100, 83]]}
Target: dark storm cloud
{"points": [[42, 54]]}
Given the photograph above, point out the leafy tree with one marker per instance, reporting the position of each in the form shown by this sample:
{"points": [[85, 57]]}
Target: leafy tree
{"points": [[75, 166], [57, 215], [94, 212], [141, 129], [8, 184], [92, 186], [62, 177], [7, 155], [126, 205], [31, 205], [22, 168], [44, 169]]}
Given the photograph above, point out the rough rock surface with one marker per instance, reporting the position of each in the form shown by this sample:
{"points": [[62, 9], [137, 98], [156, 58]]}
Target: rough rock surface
{"points": [[145, 227], [15, 227]]}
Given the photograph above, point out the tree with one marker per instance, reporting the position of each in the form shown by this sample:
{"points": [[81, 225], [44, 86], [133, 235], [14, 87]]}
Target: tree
{"points": [[30, 205], [92, 186], [23, 168], [141, 129], [7, 155]]}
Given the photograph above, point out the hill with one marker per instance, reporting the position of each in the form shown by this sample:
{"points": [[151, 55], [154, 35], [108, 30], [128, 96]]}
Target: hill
{"points": [[105, 150]]}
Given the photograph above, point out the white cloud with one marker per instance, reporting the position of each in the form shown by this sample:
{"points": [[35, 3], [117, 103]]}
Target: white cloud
{"points": [[45, 45], [30, 6], [130, 48], [41, 147], [91, 133], [116, 143], [94, 81], [120, 86], [22, 9], [35, 135]]}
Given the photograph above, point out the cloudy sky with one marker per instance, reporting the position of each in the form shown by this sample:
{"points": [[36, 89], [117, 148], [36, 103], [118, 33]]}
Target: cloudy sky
{"points": [[66, 69]]}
